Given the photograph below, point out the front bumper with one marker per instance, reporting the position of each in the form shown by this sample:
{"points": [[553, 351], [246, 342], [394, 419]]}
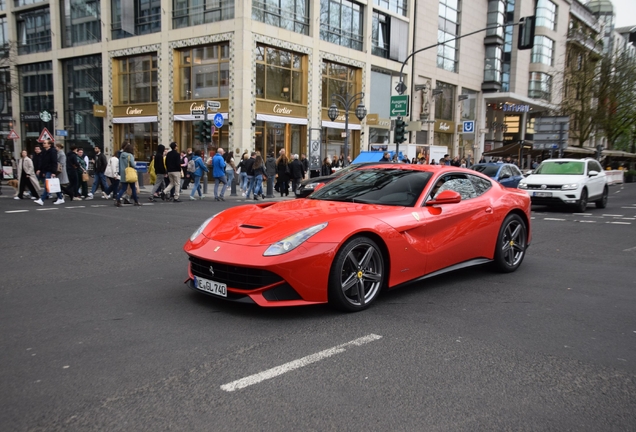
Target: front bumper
{"points": [[554, 196]]}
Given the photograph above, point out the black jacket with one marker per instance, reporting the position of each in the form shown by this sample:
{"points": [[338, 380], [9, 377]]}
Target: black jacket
{"points": [[249, 166], [72, 162], [100, 163], [325, 169], [173, 161], [160, 166], [296, 169], [37, 157], [48, 160]]}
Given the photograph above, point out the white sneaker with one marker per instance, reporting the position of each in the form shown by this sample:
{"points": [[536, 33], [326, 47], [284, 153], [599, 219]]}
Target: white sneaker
{"points": [[59, 201], [104, 196], [201, 197], [192, 198], [17, 197], [89, 197], [32, 197], [243, 194], [39, 201]]}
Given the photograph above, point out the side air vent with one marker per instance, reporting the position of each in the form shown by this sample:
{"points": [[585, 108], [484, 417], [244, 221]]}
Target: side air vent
{"points": [[251, 226]]}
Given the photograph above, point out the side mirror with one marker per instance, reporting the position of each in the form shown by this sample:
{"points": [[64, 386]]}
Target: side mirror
{"points": [[593, 173], [445, 197]]}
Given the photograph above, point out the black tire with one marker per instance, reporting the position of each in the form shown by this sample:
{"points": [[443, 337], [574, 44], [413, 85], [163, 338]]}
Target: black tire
{"points": [[357, 275], [511, 244], [602, 203], [582, 204]]}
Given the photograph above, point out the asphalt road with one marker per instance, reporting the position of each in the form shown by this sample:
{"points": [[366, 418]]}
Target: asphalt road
{"points": [[98, 332]]}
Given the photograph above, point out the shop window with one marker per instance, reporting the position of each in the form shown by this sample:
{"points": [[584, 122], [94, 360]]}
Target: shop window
{"points": [[204, 72], [338, 79], [279, 75], [137, 79], [341, 23], [291, 15]]}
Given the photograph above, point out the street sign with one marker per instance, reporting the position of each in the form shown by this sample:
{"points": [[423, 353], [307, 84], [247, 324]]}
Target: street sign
{"points": [[45, 135], [213, 105], [61, 132], [218, 120], [399, 106], [197, 112], [469, 126], [12, 135]]}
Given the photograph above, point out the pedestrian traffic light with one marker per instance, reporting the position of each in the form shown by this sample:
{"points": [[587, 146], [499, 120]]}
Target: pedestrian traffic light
{"points": [[200, 131], [398, 135]]}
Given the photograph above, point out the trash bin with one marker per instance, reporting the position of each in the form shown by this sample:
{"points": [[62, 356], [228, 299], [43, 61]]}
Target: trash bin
{"points": [[142, 168]]}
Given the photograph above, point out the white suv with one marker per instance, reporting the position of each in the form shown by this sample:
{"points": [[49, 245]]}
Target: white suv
{"points": [[573, 182]]}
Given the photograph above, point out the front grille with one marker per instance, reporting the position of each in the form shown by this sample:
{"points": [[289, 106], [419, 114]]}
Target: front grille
{"points": [[245, 278], [547, 187]]}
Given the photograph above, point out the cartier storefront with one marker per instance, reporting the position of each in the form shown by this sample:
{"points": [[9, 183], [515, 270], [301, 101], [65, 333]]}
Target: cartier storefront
{"points": [[138, 125], [280, 126]]}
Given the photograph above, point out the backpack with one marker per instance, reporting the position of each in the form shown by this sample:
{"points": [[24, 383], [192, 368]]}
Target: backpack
{"points": [[192, 166]]}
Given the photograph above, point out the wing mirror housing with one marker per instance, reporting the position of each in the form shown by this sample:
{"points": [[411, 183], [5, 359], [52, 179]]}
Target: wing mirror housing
{"points": [[593, 173], [445, 197]]}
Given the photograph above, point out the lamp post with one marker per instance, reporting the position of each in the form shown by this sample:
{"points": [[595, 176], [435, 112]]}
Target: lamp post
{"points": [[347, 102]]}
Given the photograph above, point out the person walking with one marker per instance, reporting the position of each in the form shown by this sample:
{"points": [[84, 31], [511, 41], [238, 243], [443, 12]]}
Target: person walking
{"points": [[27, 177], [249, 168], [325, 169], [218, 172], [259, 174], [126, 159], [112, 173], [62, 173], [37, 156], [159, 164], [270, 172], [82, 173], [200, 168], [243, 173], [48, 167], [296, 172], [187, 178], [99, 178], [173, 166], [230, 168], [72, 167], [282, 169]]}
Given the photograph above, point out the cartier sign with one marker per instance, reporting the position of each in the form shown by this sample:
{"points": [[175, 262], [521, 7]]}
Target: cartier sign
{"points": [[281, 109], [196, 106], [135, 111]]}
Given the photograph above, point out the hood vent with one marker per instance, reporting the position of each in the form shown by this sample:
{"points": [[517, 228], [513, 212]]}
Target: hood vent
{"points": [[251, 226]]}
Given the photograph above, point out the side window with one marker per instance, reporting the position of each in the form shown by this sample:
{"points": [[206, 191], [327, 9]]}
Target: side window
{"points": [[597, 166], [505, 170], [515, 171], [481, 185], [458, 183]]}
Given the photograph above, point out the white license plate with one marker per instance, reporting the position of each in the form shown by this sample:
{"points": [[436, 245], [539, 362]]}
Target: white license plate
{"points": [[543, 194], [211, 286]]}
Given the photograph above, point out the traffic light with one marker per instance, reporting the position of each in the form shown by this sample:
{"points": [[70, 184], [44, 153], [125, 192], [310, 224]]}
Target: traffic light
{"points": [[526, 32], [207, 130], [201, 131], [398, 135]]}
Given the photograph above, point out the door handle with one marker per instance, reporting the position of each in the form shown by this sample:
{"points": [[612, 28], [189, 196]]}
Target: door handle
{"points": [[489, 210]]}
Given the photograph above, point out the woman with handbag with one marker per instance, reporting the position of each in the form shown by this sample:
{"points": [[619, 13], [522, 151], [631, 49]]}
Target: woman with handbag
{"points": [[128, 174], [112, 173], [27, 178], [82, 174], [61, 171]]}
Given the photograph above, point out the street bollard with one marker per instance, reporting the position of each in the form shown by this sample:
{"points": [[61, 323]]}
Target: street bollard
{"points": [[233, 186], [270, 187]]}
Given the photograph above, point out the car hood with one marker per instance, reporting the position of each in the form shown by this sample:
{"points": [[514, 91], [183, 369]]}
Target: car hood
{"points": [[264, 224], [553, 179]]}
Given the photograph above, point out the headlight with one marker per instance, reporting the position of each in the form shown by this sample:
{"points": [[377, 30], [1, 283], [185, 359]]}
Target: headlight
{"points": [[293, 241], [201, 228], [522, 186], [311, 185], [570, 186]]}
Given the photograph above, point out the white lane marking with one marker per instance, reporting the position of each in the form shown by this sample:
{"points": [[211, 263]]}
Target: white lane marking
{"points": [[16, 211], [45, 209], [582, 214], [630, 250], [295, 364], [630, 208], [587, 221], [619, 223], [553, 219], [72, 207], [608, 215], [99, 205], [628, 218]]}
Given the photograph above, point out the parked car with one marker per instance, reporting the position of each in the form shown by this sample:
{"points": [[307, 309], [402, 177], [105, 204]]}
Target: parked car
{"points": [[573, 182], [506, 174], [308, 186], [379, 226]]}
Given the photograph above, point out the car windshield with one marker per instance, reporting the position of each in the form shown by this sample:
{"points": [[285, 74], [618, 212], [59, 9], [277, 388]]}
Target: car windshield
{"points": [[396, 187], [489, 170], [561, 167]]}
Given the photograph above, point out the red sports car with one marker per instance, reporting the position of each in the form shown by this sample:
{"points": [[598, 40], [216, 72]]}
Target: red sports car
{"points": [[377, 227]]}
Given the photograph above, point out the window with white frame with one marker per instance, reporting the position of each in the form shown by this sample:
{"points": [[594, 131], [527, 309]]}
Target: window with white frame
{"points": [[447, 29], [546, 14], [540, 86], [543, 50]]}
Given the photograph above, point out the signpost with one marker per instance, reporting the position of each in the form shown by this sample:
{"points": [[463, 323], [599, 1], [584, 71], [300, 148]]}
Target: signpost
{"points": [[551, 133], [399, 106]]}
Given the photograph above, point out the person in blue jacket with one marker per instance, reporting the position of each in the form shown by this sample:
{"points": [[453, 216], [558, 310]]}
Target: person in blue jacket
{"points": [[200, 168], [218, 172]]}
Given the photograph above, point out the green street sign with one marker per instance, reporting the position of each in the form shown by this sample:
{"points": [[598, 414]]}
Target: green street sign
{"points": [[399, 105]]}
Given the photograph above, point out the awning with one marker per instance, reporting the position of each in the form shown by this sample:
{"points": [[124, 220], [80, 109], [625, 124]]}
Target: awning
{"points": [[338, 125], [281, 119], [189, 117], [618, 153], [143, 119], [507, 150], [579, 150]]}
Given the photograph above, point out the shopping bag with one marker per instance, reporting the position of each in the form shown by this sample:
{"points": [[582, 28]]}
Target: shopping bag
{"points": [[53, 185], [131, 175]]}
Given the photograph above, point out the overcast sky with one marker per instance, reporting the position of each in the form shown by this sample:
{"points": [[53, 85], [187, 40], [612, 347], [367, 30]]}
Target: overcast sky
{"points": [[625, 11]]}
